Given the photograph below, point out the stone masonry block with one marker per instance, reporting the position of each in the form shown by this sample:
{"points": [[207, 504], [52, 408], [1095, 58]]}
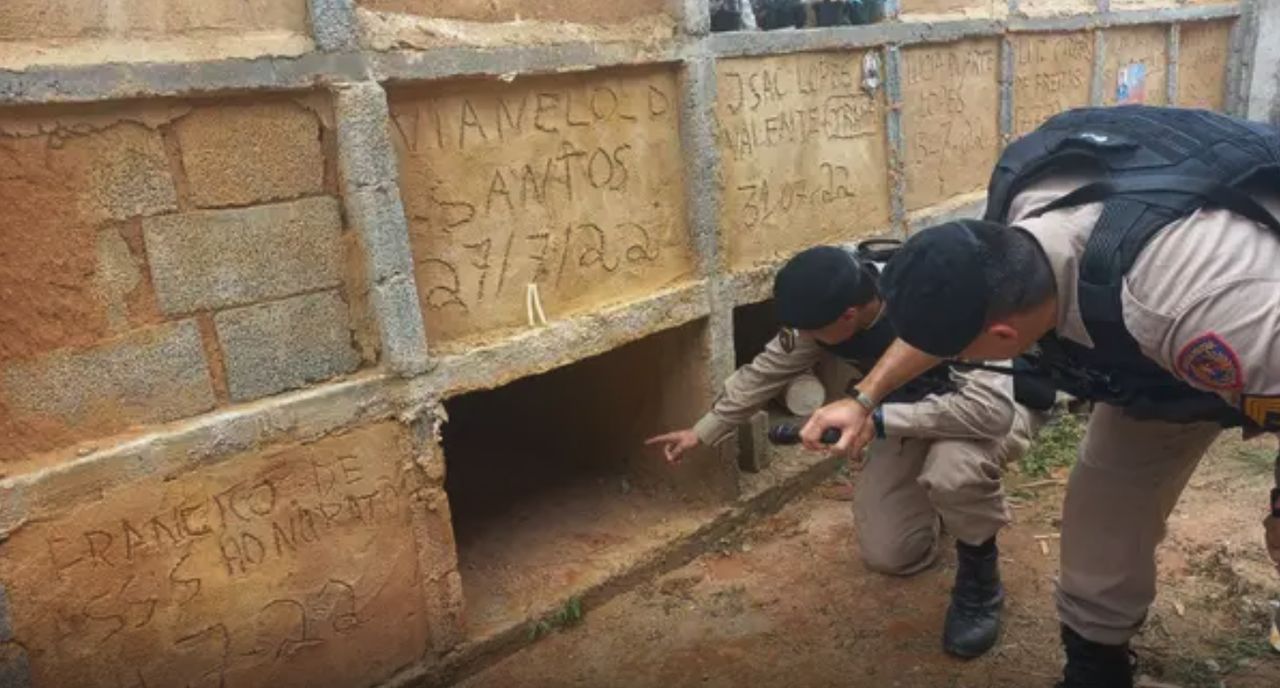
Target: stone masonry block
{"points": [[242, 154], [152, 375], [218, 258], [273, 347], [400, 326], [365, 156], [377, 214]]}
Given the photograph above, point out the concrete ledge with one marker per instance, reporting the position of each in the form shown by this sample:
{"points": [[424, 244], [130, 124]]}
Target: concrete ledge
{"points": [[182, 446], [1123, 18], [118, 81], [441, 63], [742, 43], [559, 344]]}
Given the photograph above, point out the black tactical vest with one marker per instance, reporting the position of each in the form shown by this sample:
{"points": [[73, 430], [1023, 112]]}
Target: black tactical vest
{"points": [[1154, 166]]}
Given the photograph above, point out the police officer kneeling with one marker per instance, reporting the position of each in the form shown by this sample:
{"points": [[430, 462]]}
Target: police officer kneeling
{"points": [[1135, 250], [943, 439]]}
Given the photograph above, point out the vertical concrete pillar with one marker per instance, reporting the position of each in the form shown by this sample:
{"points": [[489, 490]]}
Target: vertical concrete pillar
{"points": [[1099, 66], [694, 16], [333, 24], [1006, 90], [702, 161], [371, 192], [1257, 79], [1172, 40], [897, 143]]}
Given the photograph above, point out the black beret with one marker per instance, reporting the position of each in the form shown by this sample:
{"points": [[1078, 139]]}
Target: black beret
{"points": [[935, 286], [816, 286]]}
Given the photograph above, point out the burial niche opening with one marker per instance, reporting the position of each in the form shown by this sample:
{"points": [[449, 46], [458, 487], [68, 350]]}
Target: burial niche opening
{"points": [[551, 487]]}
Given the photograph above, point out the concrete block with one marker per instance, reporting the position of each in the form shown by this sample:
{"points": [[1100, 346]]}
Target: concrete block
{"points": [[287, 566], [15, 667], [365, 156], [573, 183], [803, 153], [273, 347], [242, 154], [400, 328], [950, 118], [333, 24], [1135, 64], [217, 258], [147, 376], [754, 452]]}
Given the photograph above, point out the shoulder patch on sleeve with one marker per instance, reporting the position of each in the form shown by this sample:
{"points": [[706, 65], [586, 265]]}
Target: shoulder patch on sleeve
{"points": [[1265, 411], [787, 338], [1210, 362]]}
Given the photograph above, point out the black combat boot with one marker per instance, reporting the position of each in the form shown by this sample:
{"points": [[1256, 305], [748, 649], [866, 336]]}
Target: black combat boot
{"points": [[973, 618], [1094, 665]]}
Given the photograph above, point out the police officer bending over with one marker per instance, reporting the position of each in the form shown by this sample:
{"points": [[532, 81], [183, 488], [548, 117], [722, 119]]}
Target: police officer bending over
{"points": [[1136, 251], [941, 442]]}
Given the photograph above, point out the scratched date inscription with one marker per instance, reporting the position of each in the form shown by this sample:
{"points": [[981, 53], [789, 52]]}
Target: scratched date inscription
{"points": [[572, 185], [803, 152], [282, 569]]}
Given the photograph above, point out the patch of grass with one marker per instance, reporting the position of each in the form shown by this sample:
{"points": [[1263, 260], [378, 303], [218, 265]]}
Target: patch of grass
{"points": [[1055, 447], [1229, 654], [569, 615], [1259, 458]]}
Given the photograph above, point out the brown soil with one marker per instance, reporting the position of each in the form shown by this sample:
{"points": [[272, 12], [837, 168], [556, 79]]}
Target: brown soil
{"points": [[788, 603]]}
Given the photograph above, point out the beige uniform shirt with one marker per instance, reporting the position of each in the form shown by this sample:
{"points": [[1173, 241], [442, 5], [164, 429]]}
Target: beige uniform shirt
{"points": [[981, 408], [1202, 300]]}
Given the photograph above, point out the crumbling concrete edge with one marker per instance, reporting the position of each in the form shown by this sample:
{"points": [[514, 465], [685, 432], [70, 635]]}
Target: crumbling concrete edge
{"points": [[561, 342], [1245, 47], [745, 43], [693, 16], [478, 654], [371, 192], [333, 24]]}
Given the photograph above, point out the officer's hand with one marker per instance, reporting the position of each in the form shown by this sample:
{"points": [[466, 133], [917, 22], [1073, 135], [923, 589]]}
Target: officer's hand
{"points": [[851, 418], [674, 444]]}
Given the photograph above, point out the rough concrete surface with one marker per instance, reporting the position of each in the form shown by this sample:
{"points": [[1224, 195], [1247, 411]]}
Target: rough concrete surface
{"points": [[968, 8], [211, 259], [272, 347], [57, 189], [295, 565], [1264, 86], [1056, 8], [250, 153], [1135, 65], [573, 184], [802, 151], [949, 117], [1052, 73], [1202, 64], [150, 375]]}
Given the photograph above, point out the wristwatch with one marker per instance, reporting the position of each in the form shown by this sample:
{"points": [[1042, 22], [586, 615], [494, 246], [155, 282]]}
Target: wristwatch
{"points": [[867, 402]]}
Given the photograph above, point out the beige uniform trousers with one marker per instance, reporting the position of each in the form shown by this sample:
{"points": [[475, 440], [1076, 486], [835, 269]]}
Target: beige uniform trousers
{"points": [[1120, 494], [910, 488]]}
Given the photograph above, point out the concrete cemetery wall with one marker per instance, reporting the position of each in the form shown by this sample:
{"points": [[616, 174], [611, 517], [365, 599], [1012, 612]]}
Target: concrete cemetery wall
{"points": [[248, 248]]}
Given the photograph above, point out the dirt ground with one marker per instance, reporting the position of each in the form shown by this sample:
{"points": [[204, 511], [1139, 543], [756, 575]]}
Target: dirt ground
{"points": [[788, 603]]}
